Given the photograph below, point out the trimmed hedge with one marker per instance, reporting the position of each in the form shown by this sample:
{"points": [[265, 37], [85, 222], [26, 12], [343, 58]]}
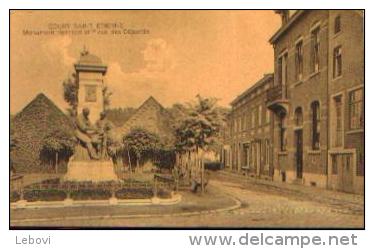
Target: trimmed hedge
{"points": [[87, 194], [14, 196], [163, 194], [44, 195], [134, 193], [82, 191]]}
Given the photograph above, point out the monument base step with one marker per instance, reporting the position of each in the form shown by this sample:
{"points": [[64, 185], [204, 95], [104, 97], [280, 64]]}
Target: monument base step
{"points": [[95, 171]]}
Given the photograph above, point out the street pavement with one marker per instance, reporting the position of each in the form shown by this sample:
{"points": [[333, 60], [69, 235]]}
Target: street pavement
{"points": [[263, 204]]}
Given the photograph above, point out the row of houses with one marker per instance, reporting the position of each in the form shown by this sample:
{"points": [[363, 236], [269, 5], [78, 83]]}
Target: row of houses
{"points": [[304, 124]]}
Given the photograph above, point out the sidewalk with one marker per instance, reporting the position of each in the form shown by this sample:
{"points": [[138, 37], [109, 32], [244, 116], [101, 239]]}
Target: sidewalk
{"points": [[352, 202]]}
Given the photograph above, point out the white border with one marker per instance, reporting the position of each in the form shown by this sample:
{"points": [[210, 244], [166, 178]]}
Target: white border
{"points": [[169, 239]]}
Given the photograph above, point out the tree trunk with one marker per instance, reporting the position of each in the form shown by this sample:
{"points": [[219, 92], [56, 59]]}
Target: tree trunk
{"points": [[137, 163], [128, 155], [56, 163]]}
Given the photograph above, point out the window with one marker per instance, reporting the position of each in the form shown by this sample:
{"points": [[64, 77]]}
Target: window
{"points": [[249, 120], [360, 162], [246, 155], [260, 115], [339, 122], [267, 116], [279, 69], [267, 155], [282, 69], [253, 118], [337, 25], [315, 125], [299, 61], [315, 50], [335, 164], [282, 133], [356, 119], [298, 116], [337, 62]]}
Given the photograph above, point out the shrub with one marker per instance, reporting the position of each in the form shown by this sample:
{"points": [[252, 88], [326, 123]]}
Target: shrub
{"points": [[163, 194], [45, 195], [134, 193], [51, 181], [14, 196], [88, 194], [212, 165]]}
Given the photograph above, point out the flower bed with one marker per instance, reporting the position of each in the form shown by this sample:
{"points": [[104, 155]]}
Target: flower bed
{"points": [[54, 190]]}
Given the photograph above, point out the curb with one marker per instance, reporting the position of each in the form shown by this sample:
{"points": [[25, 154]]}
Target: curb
{"points": [[175, 199], [213, 211]]}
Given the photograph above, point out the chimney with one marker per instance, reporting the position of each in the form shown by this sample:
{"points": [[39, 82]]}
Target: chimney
{"points": [[285, 15]]}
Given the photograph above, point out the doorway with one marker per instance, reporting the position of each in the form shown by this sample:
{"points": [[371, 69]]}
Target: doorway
{"points": [[345, 174], [299, 153]]}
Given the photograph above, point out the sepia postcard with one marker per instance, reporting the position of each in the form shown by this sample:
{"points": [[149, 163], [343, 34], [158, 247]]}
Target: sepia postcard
{"points": [[185, 119]]}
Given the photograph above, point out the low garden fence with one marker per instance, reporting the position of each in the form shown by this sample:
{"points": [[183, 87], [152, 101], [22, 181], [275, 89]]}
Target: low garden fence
{"points": [[54, 190]]}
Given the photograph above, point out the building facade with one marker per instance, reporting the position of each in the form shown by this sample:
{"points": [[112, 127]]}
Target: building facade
{"points": [[317, 99], [346, 98], [247, 137]]}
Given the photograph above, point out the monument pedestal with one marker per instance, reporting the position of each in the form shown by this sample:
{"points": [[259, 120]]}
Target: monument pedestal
{"points": [[95, 171]]}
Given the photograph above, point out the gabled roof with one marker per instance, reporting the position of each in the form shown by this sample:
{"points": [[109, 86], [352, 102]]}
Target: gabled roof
{"points": [[36, 120], [140, 119], [41, 100], [150, 101]]}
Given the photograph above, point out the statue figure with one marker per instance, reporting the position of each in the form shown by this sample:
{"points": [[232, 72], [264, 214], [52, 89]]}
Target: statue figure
{"points": [[103, 127], [88, 134]]}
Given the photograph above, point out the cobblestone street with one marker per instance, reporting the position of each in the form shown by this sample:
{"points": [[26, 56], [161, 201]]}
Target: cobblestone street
{"points": [[263, 204]]}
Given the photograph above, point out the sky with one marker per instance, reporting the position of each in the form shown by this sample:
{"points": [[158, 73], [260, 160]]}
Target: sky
{"points": [[173, 55]]}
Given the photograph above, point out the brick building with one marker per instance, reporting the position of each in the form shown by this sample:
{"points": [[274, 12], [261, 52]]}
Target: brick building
{"points": [[247, 136], [317, 99], [346, 91]]}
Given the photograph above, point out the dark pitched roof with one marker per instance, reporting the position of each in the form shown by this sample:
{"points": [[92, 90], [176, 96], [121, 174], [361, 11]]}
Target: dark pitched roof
{"points": [[150, 115], [36, 120]]}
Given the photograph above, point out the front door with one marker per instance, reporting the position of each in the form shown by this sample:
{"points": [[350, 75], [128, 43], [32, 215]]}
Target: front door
{"points": [[258, 158], [346, 173], [299, 153]]}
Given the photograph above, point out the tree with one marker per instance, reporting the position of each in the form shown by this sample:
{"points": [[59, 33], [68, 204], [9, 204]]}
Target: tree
{"points": [[58, 142], [200, 129], [106, 97], [139, 142], [70, 87], [14, 140]]}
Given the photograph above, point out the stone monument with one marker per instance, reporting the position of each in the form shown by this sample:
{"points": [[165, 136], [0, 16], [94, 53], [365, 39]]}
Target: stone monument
{"points": [[90, 161]]}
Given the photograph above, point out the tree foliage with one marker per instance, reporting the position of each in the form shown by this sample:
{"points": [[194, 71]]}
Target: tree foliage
{"points": [[70, 87], [200, 127], [59, 141], [106, 97], [140, 141]]}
